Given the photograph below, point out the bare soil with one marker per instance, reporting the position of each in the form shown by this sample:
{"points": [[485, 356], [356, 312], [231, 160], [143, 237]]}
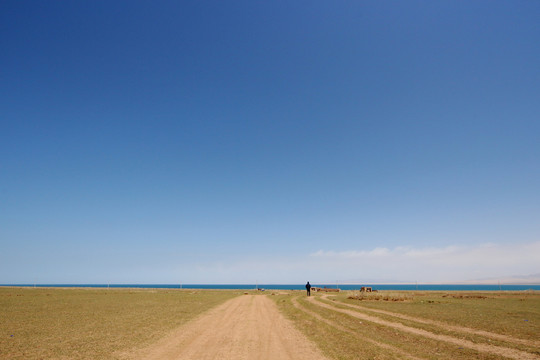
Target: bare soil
{"points": [[246, 327]]}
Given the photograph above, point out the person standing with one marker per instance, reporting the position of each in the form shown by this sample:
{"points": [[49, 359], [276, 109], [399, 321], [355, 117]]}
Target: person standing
{"points": [[308, 288]]}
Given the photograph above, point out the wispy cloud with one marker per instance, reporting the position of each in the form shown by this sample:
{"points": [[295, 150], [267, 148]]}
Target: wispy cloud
{"points": [[448, 263], [451, 263]]}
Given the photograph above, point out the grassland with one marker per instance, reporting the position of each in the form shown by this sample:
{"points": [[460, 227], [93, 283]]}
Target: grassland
{"points": [[512, 313], [46, 323], [419, 325], [107, 324]]}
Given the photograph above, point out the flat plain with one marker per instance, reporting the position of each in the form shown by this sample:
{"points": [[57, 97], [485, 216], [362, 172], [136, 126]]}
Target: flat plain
{"points": [[46, 323], [420, 325], [59, 323]]}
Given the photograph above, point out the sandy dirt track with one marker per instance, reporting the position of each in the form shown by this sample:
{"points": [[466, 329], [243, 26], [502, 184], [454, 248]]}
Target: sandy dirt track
{"points": [[246, 327]]}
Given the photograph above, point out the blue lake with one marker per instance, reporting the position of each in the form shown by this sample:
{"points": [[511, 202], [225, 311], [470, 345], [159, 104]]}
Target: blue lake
{"points": [[421, 287]]}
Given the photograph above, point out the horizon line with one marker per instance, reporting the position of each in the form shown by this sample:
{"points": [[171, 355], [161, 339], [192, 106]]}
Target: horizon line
{"points": [[272, 283]]}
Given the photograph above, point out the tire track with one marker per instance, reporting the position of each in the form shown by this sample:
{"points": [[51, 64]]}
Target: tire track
{"points": [[485, 348], [456, 328], [390, 348]]}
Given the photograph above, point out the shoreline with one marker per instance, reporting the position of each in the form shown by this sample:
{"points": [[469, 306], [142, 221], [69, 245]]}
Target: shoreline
{"points": [[344, 287]]}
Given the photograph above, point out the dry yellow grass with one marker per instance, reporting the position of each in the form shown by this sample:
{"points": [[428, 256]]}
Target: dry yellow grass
{"points": [[107, 324], [46, 323], [425, 325], [511, 313], [379, 296]]}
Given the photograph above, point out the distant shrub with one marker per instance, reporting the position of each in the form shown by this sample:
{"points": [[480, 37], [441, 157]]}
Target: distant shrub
{"points": [[377, 296], [461, 296]]}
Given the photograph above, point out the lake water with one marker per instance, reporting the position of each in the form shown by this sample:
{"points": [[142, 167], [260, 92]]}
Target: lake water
{"points": [[421, 287]]}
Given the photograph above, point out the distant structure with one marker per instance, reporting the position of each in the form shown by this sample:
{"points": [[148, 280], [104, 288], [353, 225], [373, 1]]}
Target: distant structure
{"points": [[324, 289]]}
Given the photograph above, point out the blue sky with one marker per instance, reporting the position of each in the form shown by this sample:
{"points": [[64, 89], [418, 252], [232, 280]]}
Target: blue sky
{"points": [[279, 142]]}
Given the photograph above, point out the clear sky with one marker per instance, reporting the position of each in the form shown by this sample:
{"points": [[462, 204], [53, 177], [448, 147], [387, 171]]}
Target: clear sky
{"points": [[269, 141]]}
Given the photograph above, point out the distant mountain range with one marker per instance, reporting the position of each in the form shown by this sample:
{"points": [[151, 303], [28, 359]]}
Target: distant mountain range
{"points": [[532, 279]]}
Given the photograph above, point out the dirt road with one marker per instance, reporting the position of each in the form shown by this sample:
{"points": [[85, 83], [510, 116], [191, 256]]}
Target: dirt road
{"points": [[246, 327]]}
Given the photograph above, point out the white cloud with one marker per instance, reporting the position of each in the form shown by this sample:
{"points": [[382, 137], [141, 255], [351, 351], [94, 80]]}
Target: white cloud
{"points": [[449, 263], [433, 264]]}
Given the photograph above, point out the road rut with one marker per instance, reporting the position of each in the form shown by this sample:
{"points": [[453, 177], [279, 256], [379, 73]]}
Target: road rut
{"points": [[493, 349]]}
